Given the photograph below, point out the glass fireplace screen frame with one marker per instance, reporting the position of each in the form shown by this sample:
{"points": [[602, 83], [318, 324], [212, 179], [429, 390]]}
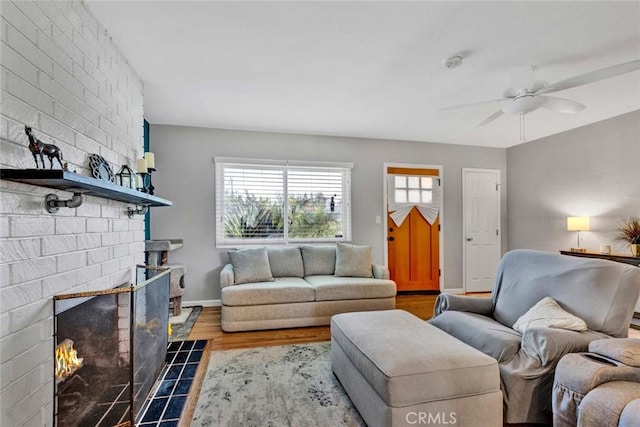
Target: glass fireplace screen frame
{"points": [[117, 338]]}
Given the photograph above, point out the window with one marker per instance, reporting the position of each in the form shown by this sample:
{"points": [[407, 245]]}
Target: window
{"points": [[270, 202], [413, 189]]}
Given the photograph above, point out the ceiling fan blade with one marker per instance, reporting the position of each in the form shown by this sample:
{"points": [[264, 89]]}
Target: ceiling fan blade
{"points": [[562, 105], [473, 104], [538, 85], [491, 118], [593, 76]]}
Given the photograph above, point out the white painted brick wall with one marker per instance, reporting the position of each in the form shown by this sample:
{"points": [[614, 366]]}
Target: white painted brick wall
{"points": [[62, 75]]}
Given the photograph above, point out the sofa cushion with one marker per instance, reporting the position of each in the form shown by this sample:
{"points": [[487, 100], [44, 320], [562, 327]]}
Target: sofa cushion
{"points": [[331, 288], [353, 261], [318, 259], [285, 261], [250, 265], [283, 290], [630, 416], [481, 332], [547, 313]]}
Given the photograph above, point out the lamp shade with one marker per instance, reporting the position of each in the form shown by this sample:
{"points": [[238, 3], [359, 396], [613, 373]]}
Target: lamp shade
{"points": [[578, 223]]}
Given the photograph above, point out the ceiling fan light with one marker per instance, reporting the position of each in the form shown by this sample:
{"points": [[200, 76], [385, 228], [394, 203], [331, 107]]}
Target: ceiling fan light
{"points": [[524, 105]]}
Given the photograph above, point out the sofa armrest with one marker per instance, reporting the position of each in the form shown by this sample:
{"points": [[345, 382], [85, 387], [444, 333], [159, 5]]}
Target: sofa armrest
{"points": [[226, 276], [380, 271], [623, 350], [548, 345], [447, 302]]}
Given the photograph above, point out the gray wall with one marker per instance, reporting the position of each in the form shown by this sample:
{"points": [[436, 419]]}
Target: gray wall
{"points": [[184, 159], [590, 171]]}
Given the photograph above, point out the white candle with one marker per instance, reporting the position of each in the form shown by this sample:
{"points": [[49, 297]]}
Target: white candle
{"points": [[138, 181], [151, 160], [141, 166]]}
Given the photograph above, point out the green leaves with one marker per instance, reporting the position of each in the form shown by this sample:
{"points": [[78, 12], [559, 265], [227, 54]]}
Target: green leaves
{"points": [[248, 216]]}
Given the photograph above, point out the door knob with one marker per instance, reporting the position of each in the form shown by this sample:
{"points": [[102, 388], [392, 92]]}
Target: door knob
{"points": [[391, 239], [469, 239]]}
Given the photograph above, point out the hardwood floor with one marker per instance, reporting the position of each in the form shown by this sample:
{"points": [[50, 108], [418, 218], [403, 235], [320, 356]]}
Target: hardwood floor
{"points": [[207, 327]]}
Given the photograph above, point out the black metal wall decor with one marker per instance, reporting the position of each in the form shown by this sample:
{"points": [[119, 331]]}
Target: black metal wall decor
{"points": [[39, 148], [100, 168]]}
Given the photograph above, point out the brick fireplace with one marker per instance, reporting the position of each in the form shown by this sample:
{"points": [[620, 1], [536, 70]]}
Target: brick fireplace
{"points": [[64, 77]]}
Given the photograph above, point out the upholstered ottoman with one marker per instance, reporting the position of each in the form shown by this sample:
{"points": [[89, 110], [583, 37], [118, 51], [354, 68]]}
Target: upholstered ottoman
{"points": [[398, 370]]}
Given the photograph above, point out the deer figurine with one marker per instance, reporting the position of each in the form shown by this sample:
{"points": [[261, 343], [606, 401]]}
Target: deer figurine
{"points": [[38, 147]]}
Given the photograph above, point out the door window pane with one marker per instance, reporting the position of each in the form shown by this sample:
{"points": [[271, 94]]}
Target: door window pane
{"points": [[401, 182], [427, 196], [414, 196], [414, 182], [426, 182], [401, 196]]}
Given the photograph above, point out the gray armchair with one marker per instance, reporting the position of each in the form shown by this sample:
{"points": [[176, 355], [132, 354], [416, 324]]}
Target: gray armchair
{"points": [[602, 293], [599, 388]]}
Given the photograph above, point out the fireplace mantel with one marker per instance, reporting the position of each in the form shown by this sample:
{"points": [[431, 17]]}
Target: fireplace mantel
{"points": [[79, 185]]}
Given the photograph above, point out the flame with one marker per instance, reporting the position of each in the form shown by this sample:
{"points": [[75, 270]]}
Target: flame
{"points": [[67, 361]]}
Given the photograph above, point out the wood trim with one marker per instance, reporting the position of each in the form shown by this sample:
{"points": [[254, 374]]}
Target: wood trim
{"points": [[196, 387], [88, 294], [413, 171]]}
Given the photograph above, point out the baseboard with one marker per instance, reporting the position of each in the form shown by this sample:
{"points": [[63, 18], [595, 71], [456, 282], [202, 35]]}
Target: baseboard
{"points": [[204, 303], [453, 291], [418, 292]]}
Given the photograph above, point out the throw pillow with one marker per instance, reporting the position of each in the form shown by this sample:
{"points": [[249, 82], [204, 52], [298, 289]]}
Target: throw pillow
{"points": [[250, 265], [547, 313], [353, 261], [318, 260], [285, 261]]}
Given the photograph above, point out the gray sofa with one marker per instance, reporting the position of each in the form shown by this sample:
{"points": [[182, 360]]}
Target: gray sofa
{"points": [[300, 286], [602, 293]]}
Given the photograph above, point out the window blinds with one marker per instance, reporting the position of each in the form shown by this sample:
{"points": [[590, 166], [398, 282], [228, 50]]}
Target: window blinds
{"points": [[268, 202]]}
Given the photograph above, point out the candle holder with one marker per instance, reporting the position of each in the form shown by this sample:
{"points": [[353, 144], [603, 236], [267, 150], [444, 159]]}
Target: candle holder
{"points": [[143, 181], [151, 187]]}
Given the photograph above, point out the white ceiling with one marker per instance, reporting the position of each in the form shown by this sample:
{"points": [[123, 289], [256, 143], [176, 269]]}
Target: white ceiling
{"points": [[372, 69]]}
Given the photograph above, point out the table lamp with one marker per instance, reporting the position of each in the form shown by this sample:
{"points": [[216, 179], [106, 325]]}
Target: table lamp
{"points": [[578, 223]]}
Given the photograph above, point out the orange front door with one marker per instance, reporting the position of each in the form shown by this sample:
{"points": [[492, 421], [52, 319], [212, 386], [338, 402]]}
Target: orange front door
{"points": [[413, 246]]}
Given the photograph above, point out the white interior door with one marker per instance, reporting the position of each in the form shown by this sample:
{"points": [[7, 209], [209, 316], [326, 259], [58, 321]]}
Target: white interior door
{"points": [[481, 229]]}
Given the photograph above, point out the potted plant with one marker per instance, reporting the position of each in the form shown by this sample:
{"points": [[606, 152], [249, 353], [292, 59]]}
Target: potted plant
{"points": [[629, 232]]}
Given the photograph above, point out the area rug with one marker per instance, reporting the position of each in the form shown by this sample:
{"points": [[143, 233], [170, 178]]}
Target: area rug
{"points": [[180, 332], [289, 385]]}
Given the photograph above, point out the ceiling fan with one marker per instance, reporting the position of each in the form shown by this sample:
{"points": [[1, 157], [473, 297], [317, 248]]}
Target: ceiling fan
{"points": [[527, 94]]}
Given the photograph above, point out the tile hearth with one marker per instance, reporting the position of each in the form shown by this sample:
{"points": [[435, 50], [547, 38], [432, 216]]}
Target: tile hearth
{"points": [[165, 406]]}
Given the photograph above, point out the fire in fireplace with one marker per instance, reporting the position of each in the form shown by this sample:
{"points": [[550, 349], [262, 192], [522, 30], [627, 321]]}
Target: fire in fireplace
{"points": [[110, 347], [67, 360]]}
